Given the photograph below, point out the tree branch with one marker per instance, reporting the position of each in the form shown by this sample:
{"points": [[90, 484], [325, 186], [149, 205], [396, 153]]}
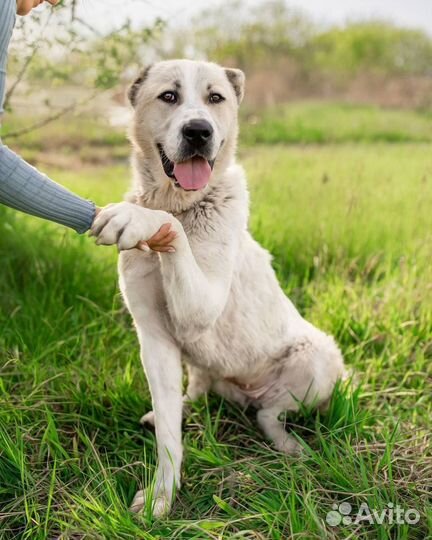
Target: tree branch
{"points": [[52, 118], [35, 46]]}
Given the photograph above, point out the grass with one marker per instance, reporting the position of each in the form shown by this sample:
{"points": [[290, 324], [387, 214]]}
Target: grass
{"points": [[320, 123], [350, 229]]}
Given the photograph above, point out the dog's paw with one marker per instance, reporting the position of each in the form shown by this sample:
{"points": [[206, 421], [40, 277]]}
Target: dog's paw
{"points": [[161, 503], [288, 445], [148, 418], [126, 224]]}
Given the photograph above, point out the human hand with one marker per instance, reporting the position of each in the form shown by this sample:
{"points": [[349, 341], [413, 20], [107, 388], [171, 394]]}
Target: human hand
{"points": [[161, 241]]}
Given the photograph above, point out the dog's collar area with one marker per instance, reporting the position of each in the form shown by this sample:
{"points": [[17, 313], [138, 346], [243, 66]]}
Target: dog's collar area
{"points": [[168, 167]]}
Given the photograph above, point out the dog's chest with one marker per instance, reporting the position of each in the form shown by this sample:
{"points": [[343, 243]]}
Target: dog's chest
{"points": [[200, 221]]}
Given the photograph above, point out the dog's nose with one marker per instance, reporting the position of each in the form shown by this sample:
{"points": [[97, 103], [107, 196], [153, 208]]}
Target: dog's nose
{"points": [[197, 132]]}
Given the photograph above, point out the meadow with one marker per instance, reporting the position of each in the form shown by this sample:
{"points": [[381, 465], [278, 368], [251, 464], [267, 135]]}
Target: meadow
{"points": [[348, 220]]}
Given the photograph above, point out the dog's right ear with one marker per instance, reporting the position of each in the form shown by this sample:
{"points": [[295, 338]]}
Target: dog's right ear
{"points": [[133, 90]]}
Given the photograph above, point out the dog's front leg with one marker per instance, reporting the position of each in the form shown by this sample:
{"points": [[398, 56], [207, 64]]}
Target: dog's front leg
{"points": [[196, 293], [162, 364], [199, 382]]}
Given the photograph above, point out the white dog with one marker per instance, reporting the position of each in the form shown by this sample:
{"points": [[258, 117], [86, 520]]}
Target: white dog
{"points": [[215, 301]]}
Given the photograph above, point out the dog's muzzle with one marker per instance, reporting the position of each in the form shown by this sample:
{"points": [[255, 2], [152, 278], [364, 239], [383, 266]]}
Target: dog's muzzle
{"points": [[197, 133], [192, 172]]}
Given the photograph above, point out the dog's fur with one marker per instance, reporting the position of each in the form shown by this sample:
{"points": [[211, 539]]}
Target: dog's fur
{"points": [[215, 302]]}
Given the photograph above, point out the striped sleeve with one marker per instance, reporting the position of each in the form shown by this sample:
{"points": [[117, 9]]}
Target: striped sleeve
{"points": [[23, 187], [7, 22]]}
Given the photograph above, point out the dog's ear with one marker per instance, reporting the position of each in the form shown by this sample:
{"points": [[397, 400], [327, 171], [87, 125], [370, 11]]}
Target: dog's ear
{"points": [[133, 90], [237, 78]]}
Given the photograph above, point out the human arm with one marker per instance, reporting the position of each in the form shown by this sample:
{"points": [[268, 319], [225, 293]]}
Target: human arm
{"points": [[23, 187]]}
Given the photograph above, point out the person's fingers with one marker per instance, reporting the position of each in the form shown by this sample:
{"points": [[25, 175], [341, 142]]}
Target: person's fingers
{"points": [[163, 241], [160, 241], [160, 235], [164, 249], [166, 241], [143, 246]]}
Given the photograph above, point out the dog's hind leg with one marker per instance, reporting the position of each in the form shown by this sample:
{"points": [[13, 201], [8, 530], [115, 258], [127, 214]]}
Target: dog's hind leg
{"points": [[274, 429], [199, 382], [311, 367]]}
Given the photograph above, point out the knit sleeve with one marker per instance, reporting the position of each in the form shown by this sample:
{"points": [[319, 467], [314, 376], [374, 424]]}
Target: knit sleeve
{"points": [[22, 186], [7, 22]]}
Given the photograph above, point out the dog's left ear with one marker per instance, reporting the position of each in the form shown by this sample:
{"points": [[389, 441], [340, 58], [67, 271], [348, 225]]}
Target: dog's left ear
{"points": [[133, 90], [237, 78]]}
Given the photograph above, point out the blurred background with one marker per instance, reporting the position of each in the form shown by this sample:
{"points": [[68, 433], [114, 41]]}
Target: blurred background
{"points": [[336, 132], [316, 72]]}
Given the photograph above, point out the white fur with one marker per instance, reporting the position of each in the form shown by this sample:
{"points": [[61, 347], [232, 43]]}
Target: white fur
{"points": [[216, 301]]}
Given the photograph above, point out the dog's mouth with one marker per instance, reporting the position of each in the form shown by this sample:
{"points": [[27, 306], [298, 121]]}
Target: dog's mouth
{"points": [[192, 174]]}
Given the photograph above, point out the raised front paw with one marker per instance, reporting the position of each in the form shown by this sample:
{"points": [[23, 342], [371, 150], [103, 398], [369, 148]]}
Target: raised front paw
{"points": [[127, 224], [161, 502]]}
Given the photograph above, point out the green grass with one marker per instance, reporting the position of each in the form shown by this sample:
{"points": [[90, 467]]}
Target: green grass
{"points": [[320, 122], [350, 230]]}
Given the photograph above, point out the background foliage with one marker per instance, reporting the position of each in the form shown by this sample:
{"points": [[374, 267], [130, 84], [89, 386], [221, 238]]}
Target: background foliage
{"points": [[335, 138]]}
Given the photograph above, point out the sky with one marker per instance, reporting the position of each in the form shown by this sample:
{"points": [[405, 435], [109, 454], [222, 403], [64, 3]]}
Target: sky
{"points": [[106, 14]]}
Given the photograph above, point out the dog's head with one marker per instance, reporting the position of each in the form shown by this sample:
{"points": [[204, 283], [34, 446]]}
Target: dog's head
{"points": [[186, 119]]}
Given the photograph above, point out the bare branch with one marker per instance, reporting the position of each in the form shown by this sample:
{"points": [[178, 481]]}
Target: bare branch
{"points": [[35, 47], [88, 26], [51, 118], [73, 10]]}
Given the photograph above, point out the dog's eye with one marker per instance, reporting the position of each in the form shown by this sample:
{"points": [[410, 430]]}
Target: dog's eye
{"points": [[169, 97], [216, 98]]}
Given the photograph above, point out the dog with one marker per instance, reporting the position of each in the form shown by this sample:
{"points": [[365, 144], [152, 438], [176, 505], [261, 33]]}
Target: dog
{"points": [[215, 301]]}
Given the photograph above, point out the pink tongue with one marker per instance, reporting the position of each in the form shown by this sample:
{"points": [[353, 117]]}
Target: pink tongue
{"points": [[193, 173]]}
